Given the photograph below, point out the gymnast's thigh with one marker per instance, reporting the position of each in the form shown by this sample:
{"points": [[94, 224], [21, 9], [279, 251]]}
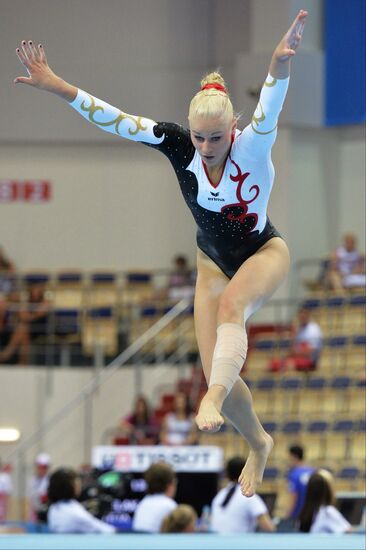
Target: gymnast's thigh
{"points": [[255, 281]]}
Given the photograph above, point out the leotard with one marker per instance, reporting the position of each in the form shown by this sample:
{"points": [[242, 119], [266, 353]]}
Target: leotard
{"points": [[231, 217]]}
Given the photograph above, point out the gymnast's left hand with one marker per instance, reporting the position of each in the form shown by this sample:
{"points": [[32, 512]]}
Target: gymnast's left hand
{"points": [[291, 40]]}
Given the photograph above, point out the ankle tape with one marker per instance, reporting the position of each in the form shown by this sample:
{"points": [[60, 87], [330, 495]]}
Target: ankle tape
{"points": [[229, 355]]}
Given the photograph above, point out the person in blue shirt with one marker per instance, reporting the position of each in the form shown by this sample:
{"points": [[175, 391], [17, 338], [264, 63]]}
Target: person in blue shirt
{"points": [[298, 477]]}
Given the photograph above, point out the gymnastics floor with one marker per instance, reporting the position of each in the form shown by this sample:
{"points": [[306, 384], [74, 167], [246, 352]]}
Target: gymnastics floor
{"points": [[183, 542]]}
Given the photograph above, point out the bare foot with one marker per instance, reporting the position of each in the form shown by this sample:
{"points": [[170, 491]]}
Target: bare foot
{"points": [[208, 418], [252, 473]]}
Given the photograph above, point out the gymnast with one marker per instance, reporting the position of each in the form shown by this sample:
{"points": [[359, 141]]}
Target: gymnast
{"points": [[225, 176]]}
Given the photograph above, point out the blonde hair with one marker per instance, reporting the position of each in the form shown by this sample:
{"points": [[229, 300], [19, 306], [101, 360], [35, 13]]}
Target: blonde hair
{"points": [[211, 103], [179, 519]]}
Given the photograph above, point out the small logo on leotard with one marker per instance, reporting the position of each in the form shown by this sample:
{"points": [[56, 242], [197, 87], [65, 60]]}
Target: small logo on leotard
{"points": [[215, 194]]}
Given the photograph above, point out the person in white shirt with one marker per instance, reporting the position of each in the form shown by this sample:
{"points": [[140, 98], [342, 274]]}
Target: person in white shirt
{"points": [[306, 346], [38, 486], [346, 267], [231, 512], [159, 501], [6, 489], [66, 514], [319, 515], [178, 427]]}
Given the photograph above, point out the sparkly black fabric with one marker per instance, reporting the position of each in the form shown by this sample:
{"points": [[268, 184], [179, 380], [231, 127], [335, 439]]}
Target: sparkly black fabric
{"points": [[226, 237]]}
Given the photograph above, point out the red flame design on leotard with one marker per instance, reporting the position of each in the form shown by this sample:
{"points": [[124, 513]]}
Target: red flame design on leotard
{"points": [[239, 211]]}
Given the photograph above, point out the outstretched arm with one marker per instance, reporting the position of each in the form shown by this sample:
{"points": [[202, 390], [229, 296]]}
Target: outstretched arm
{"points": [[281, 58], [108, 118], [260, 135]]}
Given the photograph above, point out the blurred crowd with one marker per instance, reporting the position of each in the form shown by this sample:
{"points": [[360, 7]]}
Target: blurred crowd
{"points": [[57, 501]]}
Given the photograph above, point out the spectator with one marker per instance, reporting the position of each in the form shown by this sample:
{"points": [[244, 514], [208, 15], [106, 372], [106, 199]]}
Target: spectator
{"points": [[319, 515], [298, 477], [141, 426], [234, 513], [346, 267], [181, 520], [6, 489], [28, 324], [178, 427], [159, 502], [7, 271], [66, 514], [14, 337], [181, 280], [38, 487], [306, 346]]}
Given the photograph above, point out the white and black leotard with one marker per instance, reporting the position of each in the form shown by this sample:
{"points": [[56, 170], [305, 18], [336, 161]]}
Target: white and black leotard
{"points": [[231, 217]]}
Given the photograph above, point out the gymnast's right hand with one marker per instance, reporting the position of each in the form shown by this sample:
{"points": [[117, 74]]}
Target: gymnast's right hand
{"points": [[35, 61], [40, 74]]}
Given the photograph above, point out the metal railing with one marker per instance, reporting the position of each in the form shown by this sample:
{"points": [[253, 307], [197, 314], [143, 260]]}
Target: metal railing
{"points": [[85, 396]]}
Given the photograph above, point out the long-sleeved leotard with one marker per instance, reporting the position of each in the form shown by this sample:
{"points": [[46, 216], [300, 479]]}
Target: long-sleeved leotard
{"points": [[231, 217]]}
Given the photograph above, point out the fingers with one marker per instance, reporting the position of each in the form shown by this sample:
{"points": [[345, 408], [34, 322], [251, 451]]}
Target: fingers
{"points": [[42, 53], [23, 59], [23, 80], [29, 53], [33, 53], [298, 22]]}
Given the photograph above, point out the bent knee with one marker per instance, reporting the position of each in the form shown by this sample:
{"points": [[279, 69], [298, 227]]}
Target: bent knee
{"points": [[230, 309]]}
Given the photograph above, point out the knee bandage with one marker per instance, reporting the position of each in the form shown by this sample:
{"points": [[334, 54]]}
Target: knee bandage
{"points": [[229, 355]]}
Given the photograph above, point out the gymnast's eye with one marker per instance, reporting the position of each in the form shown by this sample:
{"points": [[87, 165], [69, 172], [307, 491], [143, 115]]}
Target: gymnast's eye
{"points": [[216, 138]]}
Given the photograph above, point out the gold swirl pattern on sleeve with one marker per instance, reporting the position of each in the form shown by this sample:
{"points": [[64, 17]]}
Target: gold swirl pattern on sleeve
{"points": [[93, 108], [271, 84], [257, 120]]}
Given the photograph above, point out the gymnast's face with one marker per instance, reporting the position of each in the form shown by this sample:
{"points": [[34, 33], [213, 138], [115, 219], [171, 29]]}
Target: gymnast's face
{"points": [[212, 137]]}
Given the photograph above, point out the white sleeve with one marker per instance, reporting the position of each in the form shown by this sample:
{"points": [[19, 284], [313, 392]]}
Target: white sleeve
{"points": [[257, 507], [110, 119], [330, 520], [6, 485], [87, 523], [260, 134]]}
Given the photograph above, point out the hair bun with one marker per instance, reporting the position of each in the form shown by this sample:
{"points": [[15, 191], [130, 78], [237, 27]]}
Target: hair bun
{"points": [[213, 78]]}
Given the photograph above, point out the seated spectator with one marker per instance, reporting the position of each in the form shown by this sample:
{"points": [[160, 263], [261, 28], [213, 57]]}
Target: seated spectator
{"points": [[38, 487], [6, 490], [36, 312], [297, 477], [346, 266], [181, 520], [231, 512], [141, 426], [7, 271], [159, 501], [14, 335], [181, 280], [319, 514], [66, 514], [28, 322], [178, 427], [306, 346]]}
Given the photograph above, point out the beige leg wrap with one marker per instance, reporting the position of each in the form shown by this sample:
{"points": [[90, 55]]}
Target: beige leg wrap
{"points": [[229, 355]]}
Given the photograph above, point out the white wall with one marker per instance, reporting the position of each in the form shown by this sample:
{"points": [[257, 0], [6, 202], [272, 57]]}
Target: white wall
{"points": [[112, 206]]}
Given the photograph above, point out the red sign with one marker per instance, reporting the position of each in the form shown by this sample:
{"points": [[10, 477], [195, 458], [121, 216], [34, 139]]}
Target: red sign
{"points": [[34, 191]]}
